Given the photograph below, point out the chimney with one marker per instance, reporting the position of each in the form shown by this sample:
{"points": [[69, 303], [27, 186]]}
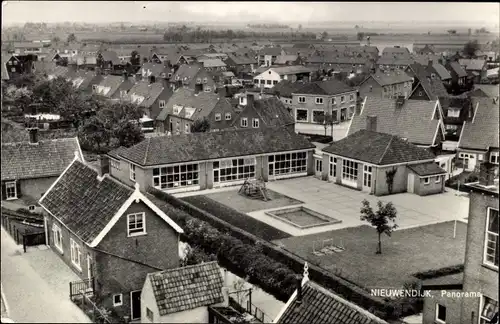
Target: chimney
{"points": [[103, 165], [371, 123], [250, 99], [298, 300], [152, 79], [125, 76], [198, 88], [33, 135], [486, 174], [400, 101]]}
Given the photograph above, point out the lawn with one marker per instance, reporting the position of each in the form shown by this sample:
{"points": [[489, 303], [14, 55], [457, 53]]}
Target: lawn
{"points": [[237, 217], [405, 253]]}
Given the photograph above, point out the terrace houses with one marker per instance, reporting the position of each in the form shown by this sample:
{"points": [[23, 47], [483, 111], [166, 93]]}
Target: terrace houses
{"points": [[387, 84], [152, 96], [194, 77], [475, 68], [200, 161], [113, 87]]}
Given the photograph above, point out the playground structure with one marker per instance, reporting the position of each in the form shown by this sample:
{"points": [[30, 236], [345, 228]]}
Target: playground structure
{"points": [[327, 247], [254, 189]]}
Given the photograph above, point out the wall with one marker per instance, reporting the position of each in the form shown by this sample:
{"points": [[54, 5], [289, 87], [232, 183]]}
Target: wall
{"points": [[148, 300], [399, 184], [265, 76], [423, 189], [376, 90], [478, 277], [35, 188], [197, 315], [452, 308], [327, 106], [419, 94], [154, 109]]}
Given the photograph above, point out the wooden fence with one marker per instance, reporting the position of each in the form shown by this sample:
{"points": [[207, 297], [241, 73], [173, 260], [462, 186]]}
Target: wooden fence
{"points": [[25, 231], [77, 287]]}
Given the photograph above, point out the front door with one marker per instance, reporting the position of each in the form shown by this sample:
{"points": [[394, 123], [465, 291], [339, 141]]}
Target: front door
{"points": [[271, 168], [367, 178], [319, 168], [135, 305], [411, 183]]}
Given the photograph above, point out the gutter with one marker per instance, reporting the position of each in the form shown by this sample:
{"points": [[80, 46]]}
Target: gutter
{"points": [[126, 259]]}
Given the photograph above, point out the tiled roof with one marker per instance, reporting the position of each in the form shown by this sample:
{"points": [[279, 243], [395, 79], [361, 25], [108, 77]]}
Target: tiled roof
{"points": [[427, 169], [110, 56], [115, 152], [378, 148], [458, 69], [83, 203], [186, 288], [60, 71], [155, 69], [242, 59], [434, 87], [214, 145], [443, 73], [272, 112], [283, 59], [396, 51], [331, 87], [83, 78], [286, 70], [285, 88], [48, 158], [472, 64], [320, 305], [337, 58], [44, 66], [187, 72], [414, 121], [273, 51], [150, 92], [491, 90], [390, 77], [395, 61], [112, 82], [214, 62], [482, 132], [204, 101]]}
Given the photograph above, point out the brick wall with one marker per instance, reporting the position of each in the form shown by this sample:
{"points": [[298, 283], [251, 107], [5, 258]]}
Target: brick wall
{"points": [[452, 308]]}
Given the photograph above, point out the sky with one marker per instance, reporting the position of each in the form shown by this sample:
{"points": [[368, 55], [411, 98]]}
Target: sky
{"points": [[283, 12]]}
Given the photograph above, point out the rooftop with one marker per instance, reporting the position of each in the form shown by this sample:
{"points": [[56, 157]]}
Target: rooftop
{"points": [[482, 132], [331, 87]]}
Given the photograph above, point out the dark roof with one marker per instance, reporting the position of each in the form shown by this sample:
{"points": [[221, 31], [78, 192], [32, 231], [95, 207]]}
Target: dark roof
{"points": [[187, 98], [458, 69], [83, 203], [426, 169], [285, 88], [395, 61], [272, 112], [331, 87], [482, 132], [491, 90], [273, 51], [241, 59], [113, 82], [48, 158], [378, 148], [415, 120], [390, 77], [320, 305], [441, 71], [472, 64], [186, 288], [110, 56], [433, 86], [292, 69], [150, 92], [187, 72], [155, 69], [214, 145], [116, 152]]}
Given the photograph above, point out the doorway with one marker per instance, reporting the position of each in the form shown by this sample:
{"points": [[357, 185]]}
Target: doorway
{"points": [[135, 305]]}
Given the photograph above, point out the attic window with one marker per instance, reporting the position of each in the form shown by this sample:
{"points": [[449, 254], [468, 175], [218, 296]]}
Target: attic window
{"points": [[228, 116], [136, 224], [218, 117]]}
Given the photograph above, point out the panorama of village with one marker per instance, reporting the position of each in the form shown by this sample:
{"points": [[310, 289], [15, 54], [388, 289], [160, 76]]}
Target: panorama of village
{"points": [[250, 162]]}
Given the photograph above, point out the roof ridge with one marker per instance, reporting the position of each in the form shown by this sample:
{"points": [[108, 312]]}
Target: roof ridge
{"points": [[147, 150], [185, 267], [386, 149]]}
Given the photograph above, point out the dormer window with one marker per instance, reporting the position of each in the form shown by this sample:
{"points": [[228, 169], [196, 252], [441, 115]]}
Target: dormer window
{"points": [[228, 116], [218, 117], [198, 80], [136, 224], [205, 80], [244, 122]]}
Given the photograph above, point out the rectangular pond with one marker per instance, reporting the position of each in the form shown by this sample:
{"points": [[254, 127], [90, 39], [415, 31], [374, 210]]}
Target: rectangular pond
{"points": [[302, 217]]}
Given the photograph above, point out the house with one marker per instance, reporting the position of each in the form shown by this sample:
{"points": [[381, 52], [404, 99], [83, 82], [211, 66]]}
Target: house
{"points": [[212, 64], [270, 112], [30, 168], [311, 298], [339, 61], [86, 80], [84, 61], [287, 60], [427, 85], [394, 63], [160, 72], [381, 164], [396, 52], [386, 84], [241, 64], [268, 55], [192, 75], [18, 64], [475, 68], [427, 49], [316, 99], [199, 161], [183, 295], [28, 47], [458, 74], [183, 108], [109, 234], [224, 114], [108, 61], [113, 86], [478, 141], [272, 76], [420, 122], [478, 284], [485, 90], [439, 69], [152, 96]]}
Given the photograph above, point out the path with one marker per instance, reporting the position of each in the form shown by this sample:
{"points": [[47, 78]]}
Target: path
{"points": [[30, 297]]}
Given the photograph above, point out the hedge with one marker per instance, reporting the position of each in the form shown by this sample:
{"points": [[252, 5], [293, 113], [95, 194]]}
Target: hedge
{"points": [[459, 268], [318, 138], [266, 264]]}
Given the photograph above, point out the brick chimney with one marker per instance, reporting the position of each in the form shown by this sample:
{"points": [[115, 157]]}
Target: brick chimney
{"points": [[429, 64], [103, 164], [486, 174], [33, 135], [371, 123], [125, 76], [250, 99], [298, 300]]}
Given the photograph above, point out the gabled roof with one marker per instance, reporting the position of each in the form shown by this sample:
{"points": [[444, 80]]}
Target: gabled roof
{"points": [[186, 288], [187, 72], [378, 148], [48, 158], [414, 120], [285, 88], [150, 92], [112, 82], [394, 60], [110, 56], [283, 59], [242, 59], [472, 64], [482, 132], [287, 70], [320, 305], [187, 98], [458, 69], [155, 69], [89, 207], [433, 86], [396, 51], [441, 71], [491, 90], [337, 58], [331, 87], [116, 152], [212, 62], [273, 51], [390, 77], [214, 145], [272, 112]]}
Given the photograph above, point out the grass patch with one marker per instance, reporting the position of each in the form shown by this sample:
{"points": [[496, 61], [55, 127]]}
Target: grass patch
{"points": [[236, 218]]}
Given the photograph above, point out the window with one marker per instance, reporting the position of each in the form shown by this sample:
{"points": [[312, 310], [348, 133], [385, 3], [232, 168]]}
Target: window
{"points": [[334, 102], [218, 117], [11, 190], [275, 82], [149, 314], [56, 230], [244, 122], [255, 122], [440, 313], [318, 116], [186, 128], [208, 89], [31, 208], [367, 176], [184, 175], [494, 157], [491, 239], [268, 82], [177, 109], [205, 80], [349, 170], [488, 309], [453, 112], [351, 97], [162, 103], [76, 254], [114, 164], [420, 93], [123, 93], [427, 180], [136, 224], [227, 116], [94, 87], [117, 300], [287, 163], [319, 101], [234, 169], [333, 167], [342, 99], [437, 179], [198, 80], [302, 99], [256, 81], [132, 171], [301, 115]]}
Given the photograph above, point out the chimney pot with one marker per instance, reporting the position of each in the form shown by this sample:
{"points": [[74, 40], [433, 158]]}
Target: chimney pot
{"points": [[299, 291], [33, 135], [103, 165], [371, 123]]}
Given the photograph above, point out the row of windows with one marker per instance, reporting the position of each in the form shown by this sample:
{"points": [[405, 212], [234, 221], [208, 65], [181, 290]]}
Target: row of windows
{"points": [[287, 163], [320, 100], [244, 122], [302, 115], [218, 116], [235, 169], [488, 309], [427, 180], [349, 170], [268, 82], [184, 175]]}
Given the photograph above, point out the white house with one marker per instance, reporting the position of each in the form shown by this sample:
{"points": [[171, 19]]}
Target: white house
{"points": [[270, 77]]}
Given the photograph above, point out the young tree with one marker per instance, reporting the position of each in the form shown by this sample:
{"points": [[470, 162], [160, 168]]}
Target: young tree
{"points": [[360, 36], [470, 48], [326, 120], [71, 38], [384, 219], [200, 126]]}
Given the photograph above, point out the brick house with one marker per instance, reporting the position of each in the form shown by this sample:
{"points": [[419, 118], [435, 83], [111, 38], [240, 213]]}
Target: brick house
{"points": [[223, 115], [386, 84], [241, 64], [160, 72], [458, 74], [394, 63], [478, 141], [109, 234], [268, 55], [192, 76], [152, 96], [30, 168], [324, 97], [480, 276], [427, 84], [199, 161], [365, 159], [108, 61]]}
